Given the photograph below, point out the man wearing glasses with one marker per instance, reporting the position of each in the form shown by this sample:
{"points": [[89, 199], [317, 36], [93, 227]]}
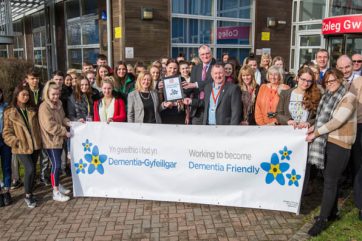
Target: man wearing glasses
{"points": [[357, 64]]}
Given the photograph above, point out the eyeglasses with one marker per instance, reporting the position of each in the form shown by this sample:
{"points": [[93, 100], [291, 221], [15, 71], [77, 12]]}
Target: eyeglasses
{"points": [[331, 81], [357, 61], [305, 80]]}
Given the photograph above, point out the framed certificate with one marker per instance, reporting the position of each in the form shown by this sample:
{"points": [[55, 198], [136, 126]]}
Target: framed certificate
{"points": [[172, 89]]}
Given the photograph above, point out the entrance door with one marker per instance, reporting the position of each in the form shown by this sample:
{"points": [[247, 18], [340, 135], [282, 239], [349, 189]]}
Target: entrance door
{"points": [[348, 44]]}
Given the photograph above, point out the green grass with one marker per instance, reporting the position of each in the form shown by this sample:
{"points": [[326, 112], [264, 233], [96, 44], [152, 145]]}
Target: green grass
{"points": [[348, 228]]}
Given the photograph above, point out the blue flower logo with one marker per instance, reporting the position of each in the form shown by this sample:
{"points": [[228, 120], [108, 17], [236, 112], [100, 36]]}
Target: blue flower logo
{"points": [[275, 170], [285, 153], [87, 145], [80, 166], [96, 161], [293, 178]]}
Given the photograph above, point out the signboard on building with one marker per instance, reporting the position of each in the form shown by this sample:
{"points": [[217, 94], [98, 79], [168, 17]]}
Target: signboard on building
{"points": [[342, 24], [233, 32]]}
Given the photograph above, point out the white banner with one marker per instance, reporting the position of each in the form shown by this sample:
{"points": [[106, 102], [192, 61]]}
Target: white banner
{"points": [[255, 167]]}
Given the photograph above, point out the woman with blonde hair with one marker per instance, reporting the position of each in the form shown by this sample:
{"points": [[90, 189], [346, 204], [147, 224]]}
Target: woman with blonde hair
{"points": [[54, 130], [265, 61], [102, 73], [249, 91], [143, 103], [268, 97], [109, 108]]}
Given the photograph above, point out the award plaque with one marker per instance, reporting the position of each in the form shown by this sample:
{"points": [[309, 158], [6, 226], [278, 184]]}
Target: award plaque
{"points": [[172, 88]]}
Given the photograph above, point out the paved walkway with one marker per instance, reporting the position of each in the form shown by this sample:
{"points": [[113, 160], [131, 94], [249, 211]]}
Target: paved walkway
{"points": [[122, 219]]}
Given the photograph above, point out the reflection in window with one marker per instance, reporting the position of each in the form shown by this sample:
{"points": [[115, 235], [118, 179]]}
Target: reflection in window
{"points": [[310, 40], [188, 52], [72, 9], [195, 7], [89, 7], [75, 58], [36, 39], [343, 7], [74, 34], [90, 55], [191, 31], [312, 10], [233, 8], [237, 53], [233, 33], [90, 33]]}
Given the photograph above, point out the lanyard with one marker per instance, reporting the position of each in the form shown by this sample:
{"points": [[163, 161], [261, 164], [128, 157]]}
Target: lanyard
{"points": [[88, 105], [218, 94], [273, 93], [36, 96]]}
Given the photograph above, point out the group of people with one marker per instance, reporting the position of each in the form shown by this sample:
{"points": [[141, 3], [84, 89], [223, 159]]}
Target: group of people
{"points": [[325, 101]]}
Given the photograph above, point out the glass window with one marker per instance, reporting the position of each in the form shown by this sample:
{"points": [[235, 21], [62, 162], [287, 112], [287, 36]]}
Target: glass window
{"points": [[90, 55], [194, 7], [294, 11], [18, 54], [90, 32], [75, 58], [310, 40], [233, 33], [310, 26], [37, 39], [200, 31], [312, 10], [234, 8], [239, 54], [191, 31], [37, 57], [292, 59], [343, 7], [293, 35], [89, 7], [72, 9], [74, 34], [307, 54]]}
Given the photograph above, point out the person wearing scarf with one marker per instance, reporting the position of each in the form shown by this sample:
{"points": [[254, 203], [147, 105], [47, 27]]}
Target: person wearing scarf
{"points": [[331, 140]]}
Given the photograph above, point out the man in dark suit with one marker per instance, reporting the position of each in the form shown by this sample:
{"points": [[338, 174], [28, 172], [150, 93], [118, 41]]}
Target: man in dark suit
{"points": [[222, 102], [200, 76]]}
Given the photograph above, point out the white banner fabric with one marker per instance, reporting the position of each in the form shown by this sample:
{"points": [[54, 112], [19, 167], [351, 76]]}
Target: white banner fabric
{"points": [[241, 166]]}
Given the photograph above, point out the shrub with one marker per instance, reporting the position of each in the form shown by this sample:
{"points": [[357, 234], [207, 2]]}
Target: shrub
{"points": [[12, 72]]}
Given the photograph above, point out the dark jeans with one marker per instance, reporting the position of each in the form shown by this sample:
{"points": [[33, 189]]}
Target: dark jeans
{"points": [[29, 162], [55, 156], [5, 153], [357, 160], [198, 119], [356, 152], [335, 163]]}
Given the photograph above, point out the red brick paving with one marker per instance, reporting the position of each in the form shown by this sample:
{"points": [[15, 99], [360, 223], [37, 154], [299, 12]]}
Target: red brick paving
{"points": [[123, 219]]}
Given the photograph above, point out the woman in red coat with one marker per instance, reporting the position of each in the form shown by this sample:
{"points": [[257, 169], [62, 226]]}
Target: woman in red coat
{"points": [[109, 108]]}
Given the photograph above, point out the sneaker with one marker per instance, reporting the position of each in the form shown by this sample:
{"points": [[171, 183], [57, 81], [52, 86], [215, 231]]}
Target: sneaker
{"points": [[7, 198], [63, 190], [319, 225], [60, 197], [2, 204], [30, 202], [16, 184]]}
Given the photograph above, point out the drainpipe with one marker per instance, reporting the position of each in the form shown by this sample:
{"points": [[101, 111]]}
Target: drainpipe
{"points": [[109, 34]]}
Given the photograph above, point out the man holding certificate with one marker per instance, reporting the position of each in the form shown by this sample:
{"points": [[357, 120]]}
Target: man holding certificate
{"points": [[222, 105]]}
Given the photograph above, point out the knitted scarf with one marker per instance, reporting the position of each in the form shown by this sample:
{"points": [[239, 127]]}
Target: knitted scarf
{"points": [[325, 110]]}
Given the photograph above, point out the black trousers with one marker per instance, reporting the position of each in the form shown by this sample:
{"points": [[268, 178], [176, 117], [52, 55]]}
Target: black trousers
{"points": [[29, 162], [336, 161], [357, 165]]}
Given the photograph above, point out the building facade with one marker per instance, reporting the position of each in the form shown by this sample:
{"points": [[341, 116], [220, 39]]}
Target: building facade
{"points": [[64, 34]]}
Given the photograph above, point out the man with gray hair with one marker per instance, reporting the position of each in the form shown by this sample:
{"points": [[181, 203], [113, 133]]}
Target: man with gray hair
{"points": [[200, 77]]}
